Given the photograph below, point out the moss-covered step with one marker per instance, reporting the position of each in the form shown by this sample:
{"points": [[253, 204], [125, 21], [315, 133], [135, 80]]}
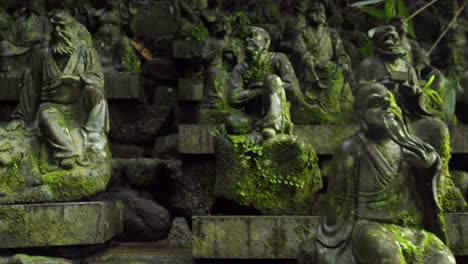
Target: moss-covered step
{"points": [[59, 224], [142, 253], [187, 49], [279, 237], [122, 85], [10, 89], [190, 89], [197, 139]]}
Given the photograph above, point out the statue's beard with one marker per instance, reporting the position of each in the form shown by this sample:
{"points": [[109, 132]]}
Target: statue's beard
{"points": [[392, 52], [400, 135], [63, 44]]}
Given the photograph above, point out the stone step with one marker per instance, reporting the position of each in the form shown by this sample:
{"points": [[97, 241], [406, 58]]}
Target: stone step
{"points": [[142, 253], [279, 237], [117, 86], [190, 89], [59, 224], [198, 139]]}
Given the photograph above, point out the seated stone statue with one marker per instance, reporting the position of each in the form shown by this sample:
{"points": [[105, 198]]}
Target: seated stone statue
{"points": [[260, 84], [389, 67], [383, 199], [323, 68], [56, 149]]}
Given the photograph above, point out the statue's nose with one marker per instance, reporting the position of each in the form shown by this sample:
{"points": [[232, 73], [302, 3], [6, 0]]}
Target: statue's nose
{"points": [[386, 104]]}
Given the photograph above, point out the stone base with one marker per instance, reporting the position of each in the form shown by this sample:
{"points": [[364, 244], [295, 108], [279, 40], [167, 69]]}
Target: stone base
{"points": [[279, 237], [122, 86], [60, 224]]}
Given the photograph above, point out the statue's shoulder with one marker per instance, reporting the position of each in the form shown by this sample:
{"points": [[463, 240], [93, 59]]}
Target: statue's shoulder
{"points": [[349, 146]]}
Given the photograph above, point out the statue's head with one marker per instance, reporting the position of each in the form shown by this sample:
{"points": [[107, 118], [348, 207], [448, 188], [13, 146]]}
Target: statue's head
{"points": [[301, 6], [387, 41], [64, 34], [257, 40], [374, 105], [222, 27], [400, 25], [316, 14]]}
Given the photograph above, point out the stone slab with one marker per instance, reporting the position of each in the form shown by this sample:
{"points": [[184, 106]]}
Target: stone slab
{"points": [[323, 138], [59, 224], [187, 49], [122, 86], [142, 253], [196, 139], [190, 89], [9, 89], [279, 237], [157, 20]]}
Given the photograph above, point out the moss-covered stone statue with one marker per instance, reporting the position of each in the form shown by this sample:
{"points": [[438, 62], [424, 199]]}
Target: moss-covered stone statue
{"points": [[219, 53], [113, 25], [389, 67], [323, 69], [384, 196], [193, 17], [55, 149], [250, 153], [24, 38]]}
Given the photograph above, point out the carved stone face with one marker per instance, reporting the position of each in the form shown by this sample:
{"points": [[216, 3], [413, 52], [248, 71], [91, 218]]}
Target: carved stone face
{"points": [[257, 40], [316, 15], [387, 40], [376, 107]]}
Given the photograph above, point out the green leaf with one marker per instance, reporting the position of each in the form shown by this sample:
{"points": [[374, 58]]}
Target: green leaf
{"points": [[429, 82], [404, 13], [390, 9], [366, 3], [375, 12], [368, 50]]}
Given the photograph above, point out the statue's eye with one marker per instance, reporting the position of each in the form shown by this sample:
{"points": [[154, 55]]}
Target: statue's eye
{"points": [[374, 102]]}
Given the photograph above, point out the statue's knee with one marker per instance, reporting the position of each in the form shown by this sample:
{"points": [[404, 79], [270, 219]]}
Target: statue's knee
{"points": [[273, 83], [443, 257], [43, 115], [374, 246], [93, 93]]}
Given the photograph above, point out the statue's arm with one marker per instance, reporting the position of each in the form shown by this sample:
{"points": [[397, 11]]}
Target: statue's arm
{"points": [[238, 95], [285, 71], [93, 73]]}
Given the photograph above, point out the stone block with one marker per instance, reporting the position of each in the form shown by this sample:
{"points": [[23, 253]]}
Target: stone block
{"points": [[165, 95], [60, 224], [157, 20], [279, 237], [326, 138], [10, 89], [196, 139], [122, 86], [190, 89], [187, 49], [160, 69]]}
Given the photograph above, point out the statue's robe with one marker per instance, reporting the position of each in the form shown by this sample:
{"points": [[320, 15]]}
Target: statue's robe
{"points": [[364, 188], [56, 109]]}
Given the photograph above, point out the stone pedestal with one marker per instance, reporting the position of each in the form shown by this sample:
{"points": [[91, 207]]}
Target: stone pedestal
{"points": [[60, 224]]}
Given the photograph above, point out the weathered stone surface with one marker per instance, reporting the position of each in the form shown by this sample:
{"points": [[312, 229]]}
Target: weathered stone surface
{"points": [[142, 253], [122, 151], [144, 219], [190, 89], [279, 237], [10, 90], [165, 95], [144, 173], [187, 49], [186, 113], [122, 86], [196, 139], [27, 259], [165, 146], [192, 186], [44, 225], [180, 234], [138, 124], [159, 19], [160, 69]]}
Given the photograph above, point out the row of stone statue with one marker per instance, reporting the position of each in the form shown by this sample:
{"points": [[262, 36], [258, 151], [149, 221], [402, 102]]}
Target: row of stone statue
{"points": [[26, 28]]}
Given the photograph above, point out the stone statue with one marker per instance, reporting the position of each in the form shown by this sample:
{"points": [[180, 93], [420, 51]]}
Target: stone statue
{"points": [[266, 14], [260, 84], [383, 203], [193, 16], [114, 25], [322, 67], [55, 148], [389, 67], [294, 23], [27, 34]]}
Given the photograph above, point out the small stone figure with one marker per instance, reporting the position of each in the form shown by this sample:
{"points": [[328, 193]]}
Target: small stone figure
{"points": [[114, 25], [383, 203], [56, 146], [389, 67], [193, 19], [263, 79], [322, 66]]}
